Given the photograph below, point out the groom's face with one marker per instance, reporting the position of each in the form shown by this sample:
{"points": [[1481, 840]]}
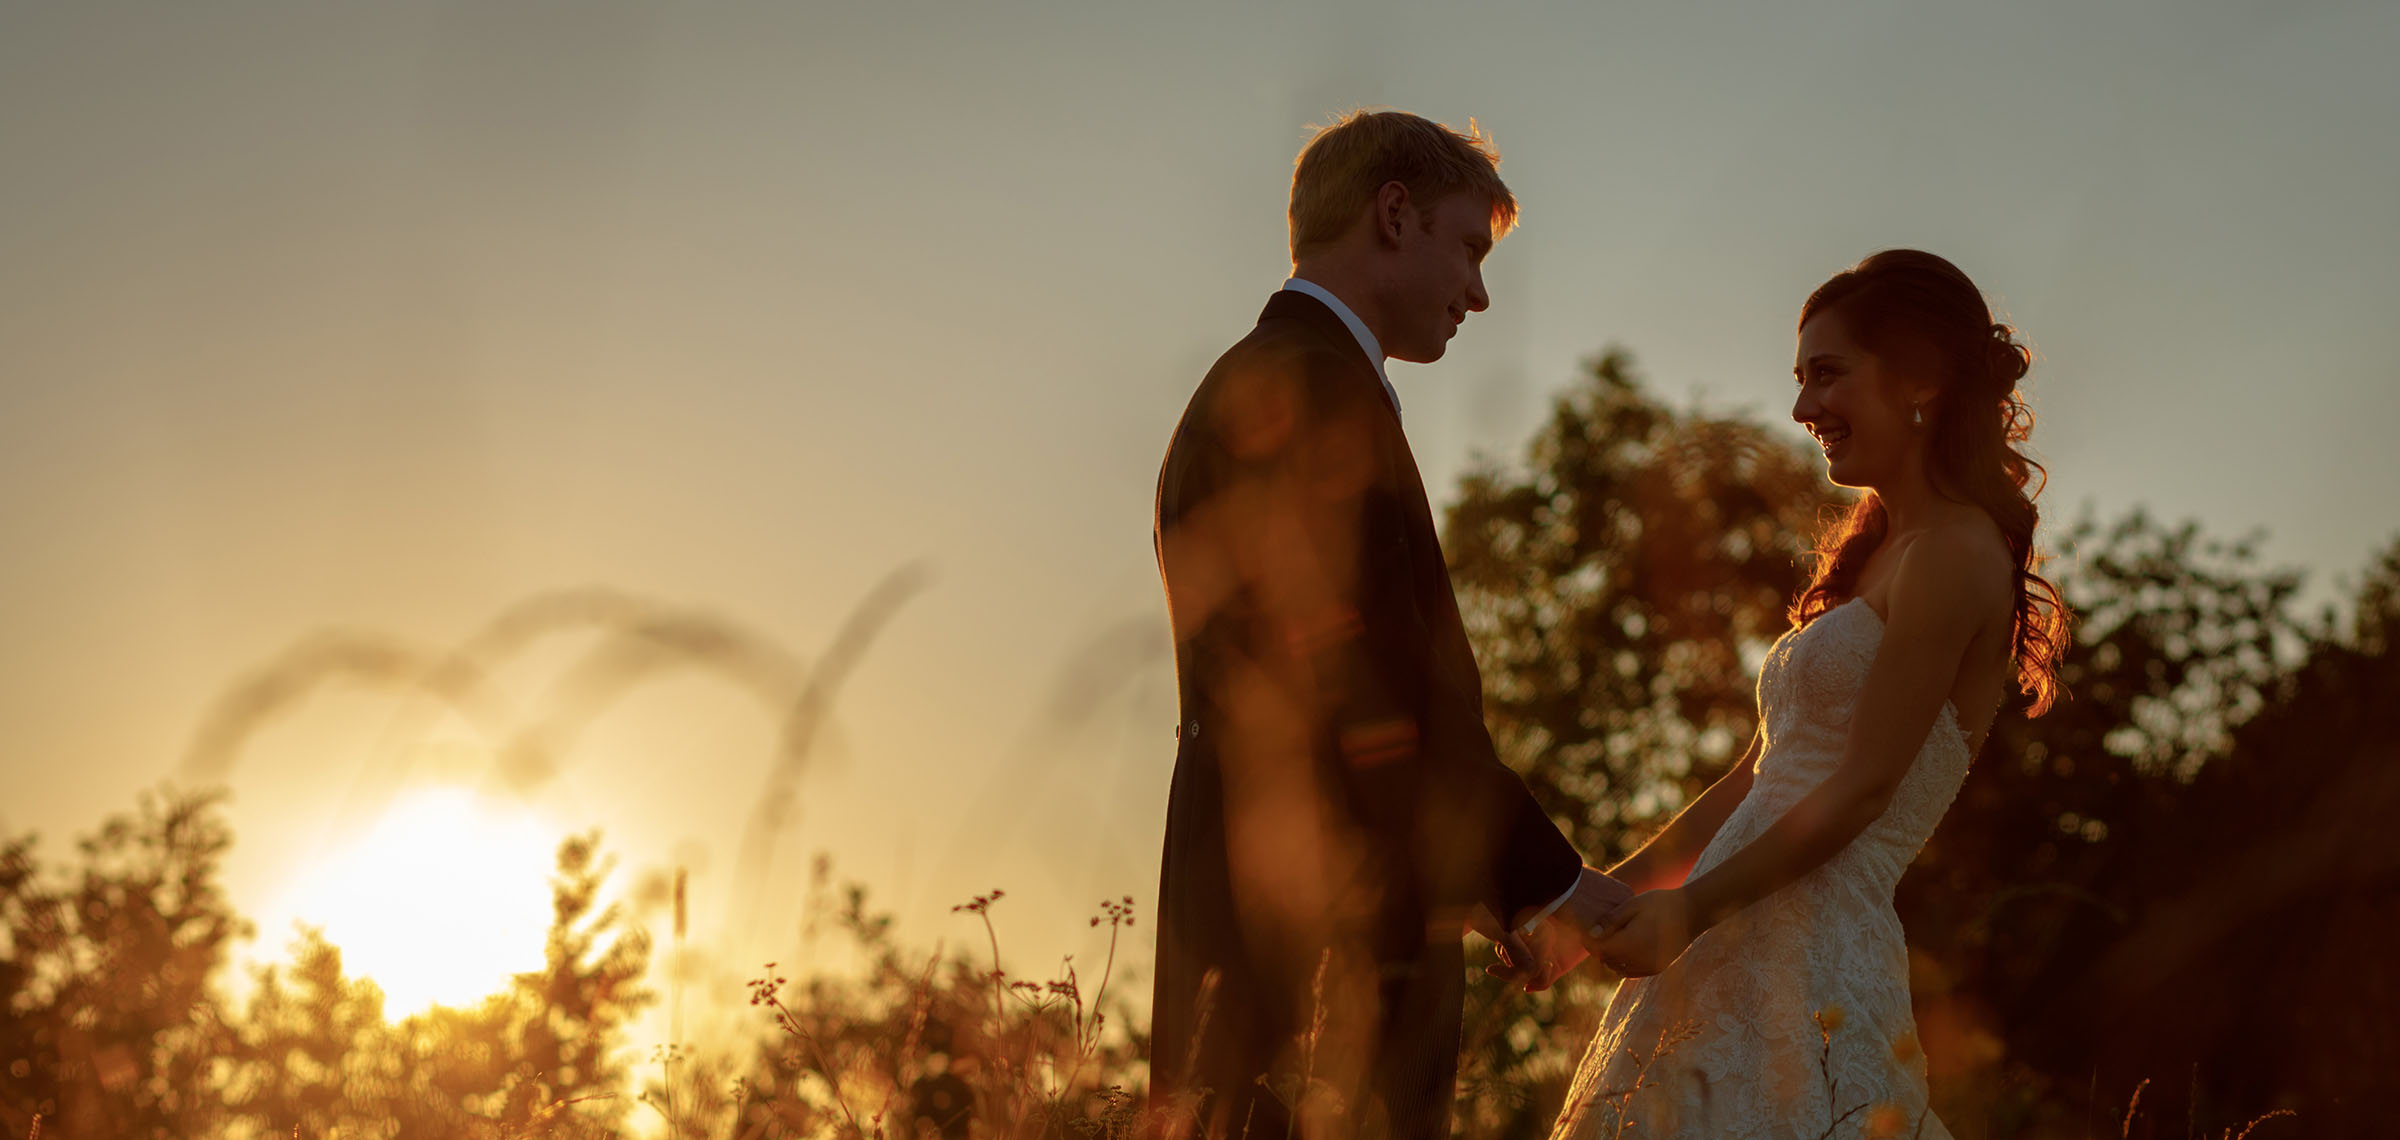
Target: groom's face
{"points": [[1436, 276]]}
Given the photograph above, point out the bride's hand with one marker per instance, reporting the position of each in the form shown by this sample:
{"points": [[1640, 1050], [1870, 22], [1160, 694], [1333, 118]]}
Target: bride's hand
{"points": [[1647, 934]]}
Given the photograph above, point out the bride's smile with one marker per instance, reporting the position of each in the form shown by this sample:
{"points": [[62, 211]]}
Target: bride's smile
{"points": [[1830, 435]]}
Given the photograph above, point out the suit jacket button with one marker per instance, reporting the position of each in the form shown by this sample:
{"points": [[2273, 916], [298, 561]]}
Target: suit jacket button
{"points": [[1192, 730]]}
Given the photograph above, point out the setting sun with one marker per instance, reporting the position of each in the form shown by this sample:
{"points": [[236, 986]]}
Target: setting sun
{"points": [[443, 899]]}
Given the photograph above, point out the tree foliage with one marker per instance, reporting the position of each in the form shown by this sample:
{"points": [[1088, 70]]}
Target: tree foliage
{"points": [[107, 1015]]}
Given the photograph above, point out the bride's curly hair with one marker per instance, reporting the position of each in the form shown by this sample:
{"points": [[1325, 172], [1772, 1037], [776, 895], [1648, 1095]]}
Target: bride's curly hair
{"points": [[1923, 306]]}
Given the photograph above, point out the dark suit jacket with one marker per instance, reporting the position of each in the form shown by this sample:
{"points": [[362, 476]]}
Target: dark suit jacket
{"points": [[1337, 804]]}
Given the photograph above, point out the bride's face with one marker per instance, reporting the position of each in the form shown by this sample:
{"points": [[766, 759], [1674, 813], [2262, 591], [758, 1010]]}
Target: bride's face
{"points": [[1858, 411]]}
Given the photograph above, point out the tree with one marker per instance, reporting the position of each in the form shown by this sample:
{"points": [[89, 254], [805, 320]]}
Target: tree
{"points": [[2189, 876], [111, 1023], [570, 1017], [309, 1050]]}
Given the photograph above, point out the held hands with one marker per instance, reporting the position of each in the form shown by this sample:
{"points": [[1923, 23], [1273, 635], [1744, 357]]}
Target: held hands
{"points": [[1539, 959], [1647, 934], [1521, 958], [1596, 898], [1560, 942]]}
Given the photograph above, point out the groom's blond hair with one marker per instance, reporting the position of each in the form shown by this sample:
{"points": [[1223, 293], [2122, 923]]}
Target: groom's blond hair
{"points": [[1340, 169]]}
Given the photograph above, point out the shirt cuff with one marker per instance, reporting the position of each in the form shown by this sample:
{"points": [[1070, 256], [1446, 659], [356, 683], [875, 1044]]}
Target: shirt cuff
{"points": [[1552, 909]]}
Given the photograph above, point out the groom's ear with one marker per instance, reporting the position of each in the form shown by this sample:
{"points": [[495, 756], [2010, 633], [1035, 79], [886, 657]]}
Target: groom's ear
{"points": [[1393, 212]]}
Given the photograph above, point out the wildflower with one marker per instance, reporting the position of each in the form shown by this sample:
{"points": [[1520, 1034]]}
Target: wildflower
{"points": [[1884, 1121], [1829, 1019]]}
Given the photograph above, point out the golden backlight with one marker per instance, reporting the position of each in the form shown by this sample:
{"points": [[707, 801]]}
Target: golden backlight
{"points": [[444, 898]]}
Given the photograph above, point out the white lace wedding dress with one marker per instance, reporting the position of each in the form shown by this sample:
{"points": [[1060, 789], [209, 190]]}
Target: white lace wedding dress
{"points": [[1726, 1041]]}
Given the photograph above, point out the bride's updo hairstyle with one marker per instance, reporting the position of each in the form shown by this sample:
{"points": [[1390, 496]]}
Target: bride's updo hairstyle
{"points": [[1925, 320]]}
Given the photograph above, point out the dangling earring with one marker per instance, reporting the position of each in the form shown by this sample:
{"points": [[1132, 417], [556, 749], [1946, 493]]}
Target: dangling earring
{"points": [[1916, 415]]}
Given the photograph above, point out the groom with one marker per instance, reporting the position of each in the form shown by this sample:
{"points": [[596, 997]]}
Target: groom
{"points": [[1338, 814]]}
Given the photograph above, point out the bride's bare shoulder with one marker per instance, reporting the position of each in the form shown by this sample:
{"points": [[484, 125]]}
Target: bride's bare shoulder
{"points": [[1965, 556]]}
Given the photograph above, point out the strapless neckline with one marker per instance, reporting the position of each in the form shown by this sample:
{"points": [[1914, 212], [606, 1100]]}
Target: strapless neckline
{"points": [[1949, 706]]}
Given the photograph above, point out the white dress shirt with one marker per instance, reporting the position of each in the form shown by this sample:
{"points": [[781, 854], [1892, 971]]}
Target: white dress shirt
{"points": [[1374, 351], [1358, 328]]}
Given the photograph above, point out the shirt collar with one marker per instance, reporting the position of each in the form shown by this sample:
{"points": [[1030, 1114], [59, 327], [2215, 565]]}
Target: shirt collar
{"points": [[1358, 328]]}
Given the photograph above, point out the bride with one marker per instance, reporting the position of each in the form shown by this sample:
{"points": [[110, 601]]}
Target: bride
{"points": [[1769, 980]]}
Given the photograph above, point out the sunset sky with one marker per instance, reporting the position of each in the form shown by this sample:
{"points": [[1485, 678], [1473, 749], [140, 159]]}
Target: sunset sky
{"points": [[388, 317]]}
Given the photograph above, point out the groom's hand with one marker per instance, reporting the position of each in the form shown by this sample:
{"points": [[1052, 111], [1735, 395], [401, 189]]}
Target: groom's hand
{"points": [[1519, 959], [1563, 939], [1538, 959], [1595, 900], [1537, 954], [1567, 935], [1524, 959], [1531, 954]]}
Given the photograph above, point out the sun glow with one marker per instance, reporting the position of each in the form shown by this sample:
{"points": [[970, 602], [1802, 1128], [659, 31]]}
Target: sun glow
{"points": [[439, 902]]}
